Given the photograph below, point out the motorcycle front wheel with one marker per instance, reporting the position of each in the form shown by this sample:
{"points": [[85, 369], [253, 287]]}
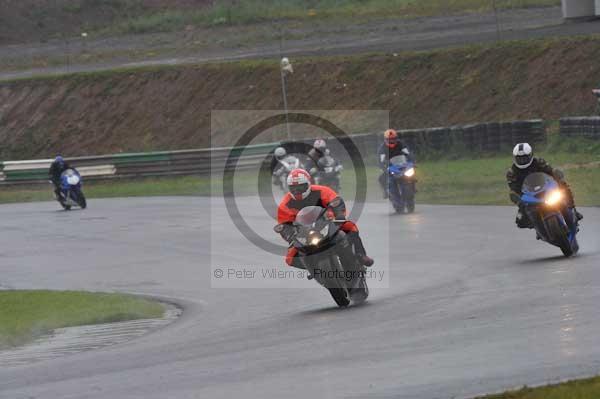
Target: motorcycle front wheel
{"points": [[340, 296], [82, 201], [336, 288], [64, 206], [559, 236]]}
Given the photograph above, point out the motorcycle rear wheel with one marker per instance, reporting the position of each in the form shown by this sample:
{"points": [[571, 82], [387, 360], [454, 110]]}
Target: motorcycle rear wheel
{"points": [[361, 293]]}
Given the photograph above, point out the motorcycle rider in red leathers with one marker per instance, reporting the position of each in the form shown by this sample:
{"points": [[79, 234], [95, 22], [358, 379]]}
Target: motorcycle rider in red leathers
{"points": [[303, 193]]}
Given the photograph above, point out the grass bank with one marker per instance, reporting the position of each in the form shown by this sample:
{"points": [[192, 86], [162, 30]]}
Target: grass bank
{"points": [[577, 389], [39, 20], [169, 107], [253, 11], [25, 315]]}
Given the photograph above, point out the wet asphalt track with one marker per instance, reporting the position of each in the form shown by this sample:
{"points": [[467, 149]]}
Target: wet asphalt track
{"points": [[472, 306]]}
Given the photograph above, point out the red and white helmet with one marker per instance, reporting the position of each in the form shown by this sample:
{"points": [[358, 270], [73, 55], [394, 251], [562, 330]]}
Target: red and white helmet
{"points": [[390, 137], [298, 182]]}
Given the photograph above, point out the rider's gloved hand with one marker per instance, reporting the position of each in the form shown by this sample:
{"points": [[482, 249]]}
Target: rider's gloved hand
{"points": [[288, 233], [339, 208]]}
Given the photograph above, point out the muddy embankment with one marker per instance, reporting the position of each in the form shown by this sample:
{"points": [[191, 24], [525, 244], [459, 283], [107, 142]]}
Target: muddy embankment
{"points": [[169, 108]]}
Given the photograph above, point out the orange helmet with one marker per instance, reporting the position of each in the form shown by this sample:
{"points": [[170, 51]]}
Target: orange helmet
{"points": [[391, 138]]}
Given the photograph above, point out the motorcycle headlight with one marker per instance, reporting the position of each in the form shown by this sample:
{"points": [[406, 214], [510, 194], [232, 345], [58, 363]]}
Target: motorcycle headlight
{"points": [[410, 172], [553, 197], [314, 238]]}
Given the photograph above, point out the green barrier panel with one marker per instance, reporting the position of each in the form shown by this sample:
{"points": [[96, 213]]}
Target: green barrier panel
{"points": [[256, 149], [142, 157], [30, 174]]}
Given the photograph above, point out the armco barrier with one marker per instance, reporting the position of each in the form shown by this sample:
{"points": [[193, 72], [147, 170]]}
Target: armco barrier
{"points": [[583, 126], [163, 163], [482, 137]]}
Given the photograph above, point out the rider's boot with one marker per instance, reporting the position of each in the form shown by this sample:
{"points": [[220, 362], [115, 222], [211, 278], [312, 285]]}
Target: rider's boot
{"points": [[383, 184], [359, 249]]}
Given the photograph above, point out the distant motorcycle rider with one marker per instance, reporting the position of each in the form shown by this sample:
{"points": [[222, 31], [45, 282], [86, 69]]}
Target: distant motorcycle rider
{"points": [[392, 146], [318, 151], [302, 193], [524, 163], [280, 153], [54, 173]]}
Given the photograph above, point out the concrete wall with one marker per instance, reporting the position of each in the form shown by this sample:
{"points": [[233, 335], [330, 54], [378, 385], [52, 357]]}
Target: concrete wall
{"points": [[580, 8]]}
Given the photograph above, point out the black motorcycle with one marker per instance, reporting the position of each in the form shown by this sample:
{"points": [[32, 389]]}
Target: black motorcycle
{"points": [[328, 172], [327, 255]]}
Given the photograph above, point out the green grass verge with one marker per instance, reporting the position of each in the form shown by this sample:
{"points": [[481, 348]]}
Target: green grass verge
{"points": [[577, 389], [457, 182], [25, 315], [146, 187], [251, 11], [447, 178], [482, 181]]}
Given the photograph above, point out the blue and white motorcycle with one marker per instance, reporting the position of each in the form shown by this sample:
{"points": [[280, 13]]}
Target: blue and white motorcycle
{"points": [[70, 193], [402, 183], [546, 206]]}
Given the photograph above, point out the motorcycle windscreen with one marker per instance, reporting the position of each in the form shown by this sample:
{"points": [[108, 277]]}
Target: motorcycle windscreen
{"points": [[70, 177], [399, 160], [68, 173], [537, 182], [307, 216]]}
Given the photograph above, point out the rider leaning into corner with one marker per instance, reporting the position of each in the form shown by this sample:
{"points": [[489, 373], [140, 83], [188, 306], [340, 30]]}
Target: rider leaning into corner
{"points": [[392, 146], [302, 194], [318, 151], [56, 169], [524, 163], [280, 153]]}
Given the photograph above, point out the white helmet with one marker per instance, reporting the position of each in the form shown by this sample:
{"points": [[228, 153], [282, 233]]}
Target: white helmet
{"points": [[522, 155], [280, 152], [320, 144], [298, 182]]}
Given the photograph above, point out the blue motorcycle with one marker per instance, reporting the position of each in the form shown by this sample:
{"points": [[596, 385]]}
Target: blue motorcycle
{"points": [[402, 183], [545, 205], [70, 193]]}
